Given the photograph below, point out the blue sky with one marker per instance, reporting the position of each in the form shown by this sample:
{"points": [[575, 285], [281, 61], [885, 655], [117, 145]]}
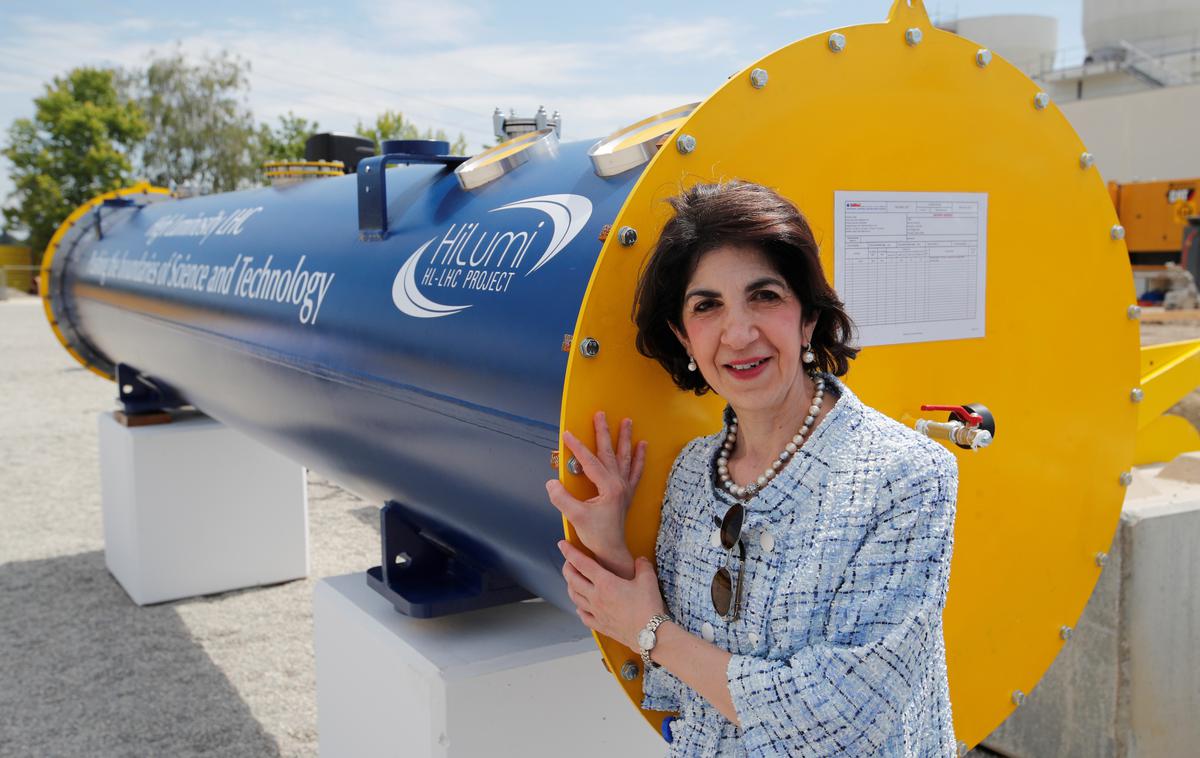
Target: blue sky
{"points": [[448, 63]]}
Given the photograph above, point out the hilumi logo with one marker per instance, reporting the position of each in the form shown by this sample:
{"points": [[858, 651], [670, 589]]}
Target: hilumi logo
{"points": [[467, 258]]}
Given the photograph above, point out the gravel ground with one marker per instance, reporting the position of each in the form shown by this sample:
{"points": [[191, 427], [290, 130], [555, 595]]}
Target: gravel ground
{"points": [[84, 671]]}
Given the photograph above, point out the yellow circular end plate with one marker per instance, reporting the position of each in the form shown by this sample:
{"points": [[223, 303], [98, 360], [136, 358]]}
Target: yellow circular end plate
{"points": [[142, 188], [1056, 365]]}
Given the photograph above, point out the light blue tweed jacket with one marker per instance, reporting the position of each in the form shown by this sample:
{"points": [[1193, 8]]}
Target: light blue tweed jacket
{"points": [[838, 649]]}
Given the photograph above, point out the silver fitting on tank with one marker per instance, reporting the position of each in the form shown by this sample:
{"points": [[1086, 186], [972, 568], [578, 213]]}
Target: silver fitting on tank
{"points": [[1086, 159], [983, 57], [758, 78], [685, 143], [1064, 632], [1041, 100], [1018, 698], [627, 235], [837, 42], [1134, 312], [1117, 232], [573, 466], [1101, 559], [589, 347], [913, 36], [1125, 479], [1136, 394]]}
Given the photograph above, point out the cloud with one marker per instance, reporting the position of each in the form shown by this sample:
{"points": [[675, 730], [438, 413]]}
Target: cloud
{"points": [[705, 37], [804, 9]]}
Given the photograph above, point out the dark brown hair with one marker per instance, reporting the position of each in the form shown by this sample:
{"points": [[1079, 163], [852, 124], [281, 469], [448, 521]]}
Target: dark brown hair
{"points": [[709, 216]]}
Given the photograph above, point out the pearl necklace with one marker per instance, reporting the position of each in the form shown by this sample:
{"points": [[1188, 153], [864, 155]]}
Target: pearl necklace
{"points": [[789, 450]]}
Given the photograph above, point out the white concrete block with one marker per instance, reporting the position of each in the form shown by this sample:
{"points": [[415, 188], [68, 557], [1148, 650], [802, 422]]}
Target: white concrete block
{"points": [[194, 508], [519, 680]]}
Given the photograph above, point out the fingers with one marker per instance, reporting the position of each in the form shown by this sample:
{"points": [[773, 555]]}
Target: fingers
{"points": [[563, 501], [638, 465], [604, 448], [593, 468], [579, 560], [624, 441], [588, 619], [577, 582]]}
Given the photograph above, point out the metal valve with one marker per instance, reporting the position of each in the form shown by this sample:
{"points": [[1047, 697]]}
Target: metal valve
{"points": [[971, 427]]}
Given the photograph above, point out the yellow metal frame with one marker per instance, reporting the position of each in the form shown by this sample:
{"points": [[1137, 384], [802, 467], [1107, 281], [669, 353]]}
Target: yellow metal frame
{"points": [[141, 188], [883, 114]]}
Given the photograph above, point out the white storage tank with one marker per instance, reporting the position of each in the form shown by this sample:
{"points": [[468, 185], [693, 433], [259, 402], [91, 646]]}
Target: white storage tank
{"points": [[1026, 41], [1154, 26]]}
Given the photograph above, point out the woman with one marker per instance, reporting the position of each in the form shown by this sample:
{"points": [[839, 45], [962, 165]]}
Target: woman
{"points": [[804, 551]]}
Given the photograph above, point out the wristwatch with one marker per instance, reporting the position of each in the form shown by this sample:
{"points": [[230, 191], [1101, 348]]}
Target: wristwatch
{"points": [[647, 639]]}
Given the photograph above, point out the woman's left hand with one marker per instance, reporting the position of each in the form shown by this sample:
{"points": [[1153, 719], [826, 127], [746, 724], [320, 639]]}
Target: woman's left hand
{"points": [[615, 607]]}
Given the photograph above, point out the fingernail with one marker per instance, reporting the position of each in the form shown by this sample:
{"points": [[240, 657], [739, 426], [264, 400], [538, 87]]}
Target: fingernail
{"points": [[561, 547]]}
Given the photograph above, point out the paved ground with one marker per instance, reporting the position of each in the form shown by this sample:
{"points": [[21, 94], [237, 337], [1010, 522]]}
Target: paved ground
{"points": [[83, 671]]}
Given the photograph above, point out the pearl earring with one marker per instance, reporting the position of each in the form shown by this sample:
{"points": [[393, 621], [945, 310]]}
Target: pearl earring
{"points": [[809, 356], [691, 363]]}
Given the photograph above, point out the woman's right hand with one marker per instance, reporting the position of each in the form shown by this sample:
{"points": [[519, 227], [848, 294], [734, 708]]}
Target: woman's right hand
{"points": [[600, 520]]}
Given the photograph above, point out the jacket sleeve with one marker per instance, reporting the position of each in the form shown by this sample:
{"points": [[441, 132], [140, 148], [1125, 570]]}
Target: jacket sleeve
{"points": [[661, 690], [845, 695]]}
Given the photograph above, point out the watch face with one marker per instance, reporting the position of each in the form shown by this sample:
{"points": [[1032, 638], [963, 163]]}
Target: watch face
{"points": [[645, 639]]}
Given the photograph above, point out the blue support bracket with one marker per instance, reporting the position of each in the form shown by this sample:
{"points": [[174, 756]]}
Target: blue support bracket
{"points": [[372, 187], [424, 578]]}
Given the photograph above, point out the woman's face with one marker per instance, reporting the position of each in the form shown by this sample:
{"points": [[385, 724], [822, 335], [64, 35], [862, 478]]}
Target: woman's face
{"points": [[745, 329]]}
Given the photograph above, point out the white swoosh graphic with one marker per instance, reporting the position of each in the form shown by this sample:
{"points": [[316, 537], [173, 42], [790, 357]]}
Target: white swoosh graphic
{"points": [[568, 214], [409, 299]]}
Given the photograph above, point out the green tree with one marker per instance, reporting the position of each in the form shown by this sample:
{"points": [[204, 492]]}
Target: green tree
{"points": [[392, 125], [74, 148], [287, 141], [202, 135]]}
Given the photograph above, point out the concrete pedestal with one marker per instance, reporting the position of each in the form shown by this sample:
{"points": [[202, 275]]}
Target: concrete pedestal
{"points": [[518, 680], [1128, 682], [194, 508]]}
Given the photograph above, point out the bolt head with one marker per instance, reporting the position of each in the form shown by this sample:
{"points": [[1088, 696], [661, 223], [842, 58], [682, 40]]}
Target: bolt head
{"points": [[627, 235], [574, 467], [1136, 394], [629, 671], [403, 559], [1134, 312], [589, 347], [1117, 232], [1018, 697], [837, 42], [685, 143], [1126, 478], [1101, 559], [1086, 159], [1064, 632], [963, 749], [1041, 100], [758, 78], [913, 36], [983, 57]]}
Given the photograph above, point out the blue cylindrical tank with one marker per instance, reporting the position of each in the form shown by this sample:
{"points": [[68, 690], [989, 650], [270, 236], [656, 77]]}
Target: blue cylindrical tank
{"points": [[424, 368]]}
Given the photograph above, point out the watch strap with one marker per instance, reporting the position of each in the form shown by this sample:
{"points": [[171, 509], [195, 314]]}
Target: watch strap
{"points": [[652, 626]]}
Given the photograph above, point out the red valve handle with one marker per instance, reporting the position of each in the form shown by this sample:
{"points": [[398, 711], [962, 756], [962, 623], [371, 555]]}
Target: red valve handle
{"points": [[974, 419]]}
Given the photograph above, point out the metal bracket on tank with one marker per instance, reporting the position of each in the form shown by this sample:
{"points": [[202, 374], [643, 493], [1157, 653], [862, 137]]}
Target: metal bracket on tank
{"points": [[141, 395], [425, 578], [372, 181], [123, 201]]}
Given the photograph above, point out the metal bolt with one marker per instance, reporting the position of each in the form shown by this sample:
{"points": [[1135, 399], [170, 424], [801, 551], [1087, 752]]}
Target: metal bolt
{"points": [[403, 559], [1101, 559], [574, 467], [1041, 100], [629, 671], [1136, 394], [1064, 632], [1086, 159], [685, 143], [627, 235], [983, 57], [127, 389], [913, 36], [366, 169], [1126, 478], [590, 347], [1117, 232], [1134, 312], [1018, 697], [758, 78], [837, 42], [963, 749]]}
